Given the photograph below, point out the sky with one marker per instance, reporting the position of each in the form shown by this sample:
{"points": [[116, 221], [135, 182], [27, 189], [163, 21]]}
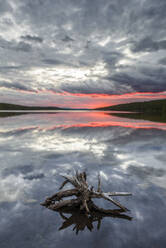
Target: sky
{"points": [[86, 53]]}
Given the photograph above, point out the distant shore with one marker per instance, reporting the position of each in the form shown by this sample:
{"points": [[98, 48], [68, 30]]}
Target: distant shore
{"points": [[155, 106]]}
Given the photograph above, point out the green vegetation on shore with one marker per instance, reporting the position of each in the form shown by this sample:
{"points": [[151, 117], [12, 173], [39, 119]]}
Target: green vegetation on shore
{"points": [[12, 107], [155, 106], [9, 114], [142, 116], [7, 106]]}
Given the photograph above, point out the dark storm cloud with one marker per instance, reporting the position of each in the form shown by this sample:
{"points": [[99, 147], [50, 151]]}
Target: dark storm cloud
{"points": [[155, 10], [52, 62], [14, 45], [22, 46], [34, 177], [112, 58], [32, 38], [4, 44], [162, 61], [14, 85], [67, 39], [145, 172], [148, 45], [126, 37], [24, 169], [159, 72], [146, 78], [9, 68], [105, 87]]}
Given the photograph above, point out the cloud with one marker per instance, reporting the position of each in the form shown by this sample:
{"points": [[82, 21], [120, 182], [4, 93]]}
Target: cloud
{"points": [[144, 78], [34, 177], [83, 46], [25, 169], [14, 85], [15, 46], [67, 39], [9, 68], [112, 58], [52, 62], [148, 45], [5, 7], [162, 61], [32, 38], [22, 46]]}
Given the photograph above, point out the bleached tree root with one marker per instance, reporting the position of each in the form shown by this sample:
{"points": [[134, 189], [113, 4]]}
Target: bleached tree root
{"points": [[84, 195]]}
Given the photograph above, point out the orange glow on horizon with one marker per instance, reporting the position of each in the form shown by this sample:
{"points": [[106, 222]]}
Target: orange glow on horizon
{"points": [[65, 120], [89, 100]]}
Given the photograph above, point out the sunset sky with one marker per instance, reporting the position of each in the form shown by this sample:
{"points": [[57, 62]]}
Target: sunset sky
{"points": [[82, 53]]}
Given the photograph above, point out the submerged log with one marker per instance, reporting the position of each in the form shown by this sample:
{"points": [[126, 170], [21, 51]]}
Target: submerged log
{"points": [[84, 194]]}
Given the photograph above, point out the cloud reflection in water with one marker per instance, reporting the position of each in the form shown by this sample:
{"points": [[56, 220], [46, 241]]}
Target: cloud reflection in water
{"points": [[35, 149]]}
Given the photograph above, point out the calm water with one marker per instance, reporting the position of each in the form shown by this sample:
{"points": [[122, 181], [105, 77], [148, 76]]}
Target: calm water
{"points": [[130, 155]]}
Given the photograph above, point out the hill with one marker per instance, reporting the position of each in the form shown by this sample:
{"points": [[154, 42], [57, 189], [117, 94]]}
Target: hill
{"points": [[7, 106], [155, 106]]}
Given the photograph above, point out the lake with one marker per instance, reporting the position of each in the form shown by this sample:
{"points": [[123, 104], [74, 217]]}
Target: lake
{"points": [[129, 154]]}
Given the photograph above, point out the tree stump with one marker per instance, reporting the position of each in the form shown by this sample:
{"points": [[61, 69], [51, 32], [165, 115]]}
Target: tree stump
{"points": [[84, 195]]}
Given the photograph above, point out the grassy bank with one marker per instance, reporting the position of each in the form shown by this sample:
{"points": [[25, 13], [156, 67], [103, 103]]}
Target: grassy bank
{"points": [[156, 107]]}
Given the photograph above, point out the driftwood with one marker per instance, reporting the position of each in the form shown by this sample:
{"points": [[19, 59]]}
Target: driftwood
{"points": [[84, 194]]}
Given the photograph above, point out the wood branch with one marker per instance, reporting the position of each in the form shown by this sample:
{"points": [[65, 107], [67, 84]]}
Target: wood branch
{"points": [[108, 198], [58, 196], [73, 180], [66, 203], [98, 194], [105, 196], [84, 195], [119, 193], [85, 206], [99, 184], [108, 212], [63, 216], [84, 174], [63, 184], [98, 224], [84, 178]]}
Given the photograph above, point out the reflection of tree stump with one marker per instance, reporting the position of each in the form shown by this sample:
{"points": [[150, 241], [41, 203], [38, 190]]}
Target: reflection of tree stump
{"points": [[83, 197], [80, 220]]}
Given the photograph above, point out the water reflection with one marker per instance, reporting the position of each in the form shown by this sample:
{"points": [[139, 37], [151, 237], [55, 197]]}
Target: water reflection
{"points": [[36, 149], [81, 220], [79, 119], [153, 117]]}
